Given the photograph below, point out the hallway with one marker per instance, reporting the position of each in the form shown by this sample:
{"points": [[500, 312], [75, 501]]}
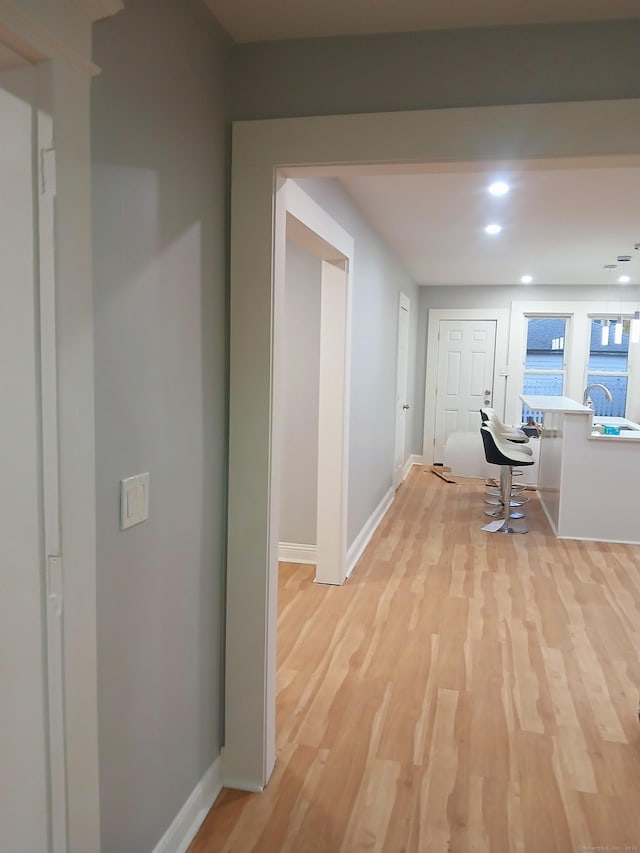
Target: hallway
{"points": [[462, 692]]}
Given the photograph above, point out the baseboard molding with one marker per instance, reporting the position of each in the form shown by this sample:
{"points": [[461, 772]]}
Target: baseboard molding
{"points": [[292, 552], [242, 785], [364, 537], [192, 814], [414, 459]]}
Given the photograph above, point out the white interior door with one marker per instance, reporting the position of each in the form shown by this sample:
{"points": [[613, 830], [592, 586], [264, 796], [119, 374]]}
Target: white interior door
{"points": [[402, 404], [24, 809], [466, 359]]}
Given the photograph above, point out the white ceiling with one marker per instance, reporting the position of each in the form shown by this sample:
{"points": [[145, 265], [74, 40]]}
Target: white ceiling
{"points": [[562, 221], [268, 20]]}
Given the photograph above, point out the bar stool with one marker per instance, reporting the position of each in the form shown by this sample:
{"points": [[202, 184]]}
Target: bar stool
{"points": [[513, 434], [500, 451]]}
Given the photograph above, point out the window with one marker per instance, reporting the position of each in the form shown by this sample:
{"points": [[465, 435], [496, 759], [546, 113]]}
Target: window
{"points": [[544, 365], [608, 365]]}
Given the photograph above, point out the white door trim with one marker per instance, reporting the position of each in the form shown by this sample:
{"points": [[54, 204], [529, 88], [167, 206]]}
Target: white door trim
{"points": [[36, 39], [249, 752], [60, 46], [399, 473], [46, 173], [25, 802], [501, 316]]}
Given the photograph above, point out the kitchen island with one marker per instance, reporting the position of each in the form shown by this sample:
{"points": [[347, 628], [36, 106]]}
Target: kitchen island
{"points": [[588, 483]]}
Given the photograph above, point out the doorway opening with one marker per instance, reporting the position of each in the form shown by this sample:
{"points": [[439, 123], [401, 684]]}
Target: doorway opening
{"points": [[312, 386], [322, 145]]}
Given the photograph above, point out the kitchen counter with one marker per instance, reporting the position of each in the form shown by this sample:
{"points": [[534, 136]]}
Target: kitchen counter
{"points": [[546, 403], [587, 482]]}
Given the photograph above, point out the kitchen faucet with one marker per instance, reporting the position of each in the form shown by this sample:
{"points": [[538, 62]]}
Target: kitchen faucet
{"points": [[607, 393]]}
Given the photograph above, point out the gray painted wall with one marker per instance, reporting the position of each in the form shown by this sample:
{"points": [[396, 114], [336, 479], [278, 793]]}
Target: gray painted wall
{"points": [[377, 280], [452, 68], [495, 297], [299, 475], [159, 222]]}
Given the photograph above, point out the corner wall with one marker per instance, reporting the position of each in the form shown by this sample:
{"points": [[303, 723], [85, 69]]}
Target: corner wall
{"points": [[378, 279], [159, 136]]}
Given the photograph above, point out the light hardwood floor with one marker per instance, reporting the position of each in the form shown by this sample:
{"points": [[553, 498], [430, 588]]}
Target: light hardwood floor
{"points": [[462, 692]]}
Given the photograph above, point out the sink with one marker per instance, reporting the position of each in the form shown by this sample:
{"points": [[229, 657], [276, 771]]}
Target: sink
{"points": [[622, 423]]}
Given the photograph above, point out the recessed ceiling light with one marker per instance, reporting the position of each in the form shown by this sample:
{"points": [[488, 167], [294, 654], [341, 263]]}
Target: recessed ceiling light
{"points": [[624, 279], [494, 228], [499, 188], [526, 279]]}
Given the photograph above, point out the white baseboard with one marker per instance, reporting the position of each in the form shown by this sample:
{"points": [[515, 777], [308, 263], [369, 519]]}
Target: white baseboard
{"points": [[192, 814], [364, 537], [291, 552], [414, 459], [242, 785]]}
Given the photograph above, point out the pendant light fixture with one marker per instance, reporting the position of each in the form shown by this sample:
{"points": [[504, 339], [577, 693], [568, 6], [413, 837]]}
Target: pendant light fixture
{"points": [[604, 340], [635, 328]]}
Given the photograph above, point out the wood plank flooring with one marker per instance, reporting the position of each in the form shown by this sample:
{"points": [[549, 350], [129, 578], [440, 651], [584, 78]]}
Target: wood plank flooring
{"points": [[462, 692]]}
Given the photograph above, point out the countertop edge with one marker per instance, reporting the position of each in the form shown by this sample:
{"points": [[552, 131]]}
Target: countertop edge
{"points": [[561, 404], [625, 437]]}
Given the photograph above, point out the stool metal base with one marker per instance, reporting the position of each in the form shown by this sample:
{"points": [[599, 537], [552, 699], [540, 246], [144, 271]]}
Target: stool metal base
{"points": [[509, 530], [499, 513], [506, 480]]}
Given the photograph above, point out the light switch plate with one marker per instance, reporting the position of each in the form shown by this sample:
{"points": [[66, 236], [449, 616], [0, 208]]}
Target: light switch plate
{"points": [[134, 500]]}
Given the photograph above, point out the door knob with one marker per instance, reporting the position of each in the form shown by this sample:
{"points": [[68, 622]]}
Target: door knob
{"points": [[406, 406], [487, 402], [487, 392]]}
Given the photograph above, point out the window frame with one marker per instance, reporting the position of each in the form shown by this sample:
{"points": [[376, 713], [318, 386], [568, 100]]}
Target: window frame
{"points": [[612, 373], [529, 371], [576, 350]]}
